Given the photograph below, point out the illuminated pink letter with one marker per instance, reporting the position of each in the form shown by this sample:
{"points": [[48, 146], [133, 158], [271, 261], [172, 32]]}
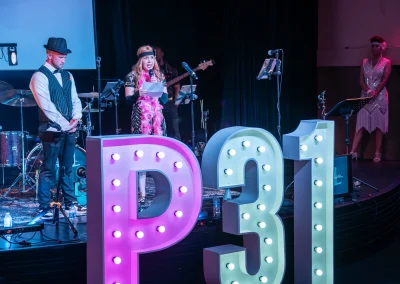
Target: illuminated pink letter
{"points": [[117, 233]]}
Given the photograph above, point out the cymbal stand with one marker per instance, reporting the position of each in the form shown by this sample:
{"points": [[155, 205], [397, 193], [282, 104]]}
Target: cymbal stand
{"points": [[89, 121], [23, 173]]}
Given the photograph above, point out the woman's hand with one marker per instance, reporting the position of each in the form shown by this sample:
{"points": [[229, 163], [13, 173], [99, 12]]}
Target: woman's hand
{"points": [[153, 79], [142, 92]]}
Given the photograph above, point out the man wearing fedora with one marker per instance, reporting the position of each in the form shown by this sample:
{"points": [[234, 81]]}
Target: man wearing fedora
{"points": [[60, 109]]}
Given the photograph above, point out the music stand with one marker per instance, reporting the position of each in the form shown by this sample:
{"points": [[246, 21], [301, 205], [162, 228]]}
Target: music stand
{"points": [[347, 108], [186, 96], [111, 93], [267, 70]]}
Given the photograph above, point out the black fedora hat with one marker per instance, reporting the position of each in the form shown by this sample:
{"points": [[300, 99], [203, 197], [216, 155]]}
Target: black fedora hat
{"points": [[58, 45]]}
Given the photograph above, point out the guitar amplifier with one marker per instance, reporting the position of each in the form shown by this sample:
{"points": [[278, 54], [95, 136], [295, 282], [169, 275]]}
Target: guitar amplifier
{"points": [[342, 176]]}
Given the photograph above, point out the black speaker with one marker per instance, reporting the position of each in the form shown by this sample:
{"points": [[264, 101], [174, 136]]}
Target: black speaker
{"points": [[342, 176]]}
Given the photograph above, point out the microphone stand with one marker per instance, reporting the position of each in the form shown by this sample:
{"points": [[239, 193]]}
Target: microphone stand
{"points": [[192, 111], [278, 90], [114, 91], [116, 97], [98, 60]]}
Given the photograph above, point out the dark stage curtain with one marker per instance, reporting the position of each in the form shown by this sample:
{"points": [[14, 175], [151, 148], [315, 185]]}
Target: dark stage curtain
{"points": [[237, 35], [250, 30]]}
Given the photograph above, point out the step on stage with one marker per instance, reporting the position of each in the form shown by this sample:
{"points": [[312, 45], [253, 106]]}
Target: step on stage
{"points": [[363, 221]]}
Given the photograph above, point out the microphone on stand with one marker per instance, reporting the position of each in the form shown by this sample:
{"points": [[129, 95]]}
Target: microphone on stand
{"points": [[322, 95], [192, 73], [273, 51]]}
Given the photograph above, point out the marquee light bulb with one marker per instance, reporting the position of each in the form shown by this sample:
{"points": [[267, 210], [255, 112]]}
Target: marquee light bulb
{"points": [[246, 216], [263, 279], [266, 167], [116, 208], [117, 234], [139, 234], [230, 266], [261, 149], [229, 172], [161, 155], [117, 260], [318, 227], [161, 229], [268, 241], [318, 249], [318, 182], [262, 225], [183, 189], [269, 259], [178, 214], [318, 138], [267, 187], [319, 160], [178, 165], [139, 153], [246, 144], [319, 272], [231, 152], [304, 148], [261, 207], [115, 156], [318, 205], [116, 182]]}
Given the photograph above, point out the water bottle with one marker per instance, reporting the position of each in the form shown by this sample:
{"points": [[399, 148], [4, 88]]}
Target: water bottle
{"points": [[216, 207], [72, 212], [7, 220]]}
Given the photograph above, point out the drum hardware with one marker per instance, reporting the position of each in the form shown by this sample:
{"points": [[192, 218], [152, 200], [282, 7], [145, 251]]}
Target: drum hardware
{"points": [[34, 160], [90, 95], [18, 98]]}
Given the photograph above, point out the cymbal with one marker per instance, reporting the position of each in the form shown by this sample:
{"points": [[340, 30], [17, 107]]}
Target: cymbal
{"points": [[89, 95], [92, 110], [4, 86], [12, 98]]}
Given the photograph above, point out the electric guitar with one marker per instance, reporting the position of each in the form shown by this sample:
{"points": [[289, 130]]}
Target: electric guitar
{"points": [[202, 66]]}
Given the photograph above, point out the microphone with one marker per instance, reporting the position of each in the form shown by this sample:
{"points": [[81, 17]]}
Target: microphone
{"points": [[151, 73], [321, 96], [273, 51], [186, 66]]}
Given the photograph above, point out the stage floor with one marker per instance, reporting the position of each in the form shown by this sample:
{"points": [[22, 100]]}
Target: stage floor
{"points": [[56, 251]]}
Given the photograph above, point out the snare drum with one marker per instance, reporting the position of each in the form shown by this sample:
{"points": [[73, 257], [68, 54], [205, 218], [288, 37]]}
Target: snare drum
{"points": [[10, 148]]}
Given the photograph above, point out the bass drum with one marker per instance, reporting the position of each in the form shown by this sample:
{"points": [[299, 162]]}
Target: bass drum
{"points": [[34, 161]]}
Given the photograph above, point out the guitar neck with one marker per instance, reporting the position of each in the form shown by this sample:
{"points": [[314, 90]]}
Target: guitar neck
{"points": [[177, 79]]}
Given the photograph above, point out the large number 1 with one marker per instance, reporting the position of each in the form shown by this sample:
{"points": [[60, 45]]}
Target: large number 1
{"points": [[311, 146], [251, 158]]}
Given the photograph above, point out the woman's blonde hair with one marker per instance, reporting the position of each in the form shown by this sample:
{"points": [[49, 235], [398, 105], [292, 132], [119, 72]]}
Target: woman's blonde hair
{"points": [[137, 68]]}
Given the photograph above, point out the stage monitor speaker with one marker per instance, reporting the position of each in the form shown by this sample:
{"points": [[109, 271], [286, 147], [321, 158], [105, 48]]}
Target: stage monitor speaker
{"points": [[342, 176]]}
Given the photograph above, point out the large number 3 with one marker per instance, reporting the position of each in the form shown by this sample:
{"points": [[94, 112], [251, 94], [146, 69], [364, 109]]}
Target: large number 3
{"points": [[251, 158]]}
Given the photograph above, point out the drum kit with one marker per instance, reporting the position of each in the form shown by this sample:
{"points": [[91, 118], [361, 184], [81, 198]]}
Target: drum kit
{"points": [[14, 144]]}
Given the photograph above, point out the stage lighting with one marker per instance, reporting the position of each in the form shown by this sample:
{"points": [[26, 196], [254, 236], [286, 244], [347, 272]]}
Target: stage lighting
{"points": [[12, 56]]}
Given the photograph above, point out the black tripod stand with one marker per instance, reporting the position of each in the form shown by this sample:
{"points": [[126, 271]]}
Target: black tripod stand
{"points": [[56, 204], [346, 109]]}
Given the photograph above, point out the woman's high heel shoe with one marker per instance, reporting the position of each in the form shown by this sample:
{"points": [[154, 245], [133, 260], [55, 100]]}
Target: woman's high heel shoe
{"points": [[354, 155], [377, 158], [141, 198]]}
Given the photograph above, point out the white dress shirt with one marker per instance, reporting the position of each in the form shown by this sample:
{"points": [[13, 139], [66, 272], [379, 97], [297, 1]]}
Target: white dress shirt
{"points": [[39, 86]]}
